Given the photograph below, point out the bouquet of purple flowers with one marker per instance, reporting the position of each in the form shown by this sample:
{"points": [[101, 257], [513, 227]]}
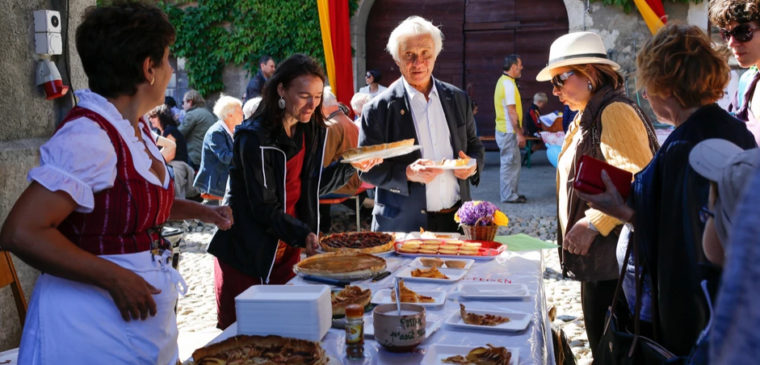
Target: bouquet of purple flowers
{"points": [[481, 213]]}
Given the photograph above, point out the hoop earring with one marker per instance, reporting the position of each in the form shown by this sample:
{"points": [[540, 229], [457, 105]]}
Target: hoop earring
{"points": [[590, 87], [281, 103]]}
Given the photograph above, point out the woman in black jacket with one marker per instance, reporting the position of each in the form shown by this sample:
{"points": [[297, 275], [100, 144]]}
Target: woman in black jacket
{"points": [[276, 178]]}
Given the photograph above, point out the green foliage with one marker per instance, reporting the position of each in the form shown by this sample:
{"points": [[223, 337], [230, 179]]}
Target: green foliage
{"points": [[215, 33], [628, 5]]}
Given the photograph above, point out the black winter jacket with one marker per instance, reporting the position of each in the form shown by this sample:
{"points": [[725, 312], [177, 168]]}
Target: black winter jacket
{"points": [[257, 194]]}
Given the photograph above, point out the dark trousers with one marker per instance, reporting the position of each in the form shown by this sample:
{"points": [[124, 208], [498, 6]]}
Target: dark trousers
{"points": [[596, 297]]}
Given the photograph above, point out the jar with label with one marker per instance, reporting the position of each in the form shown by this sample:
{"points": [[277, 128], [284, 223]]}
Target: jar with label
{"points": [[354, 331]]}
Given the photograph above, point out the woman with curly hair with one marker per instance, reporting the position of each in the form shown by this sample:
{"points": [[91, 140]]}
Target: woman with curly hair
{"points": [[682, 76], [738, 21]]}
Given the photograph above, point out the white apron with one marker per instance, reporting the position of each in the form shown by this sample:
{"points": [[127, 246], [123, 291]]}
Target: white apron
{"points": [[75, 323]]}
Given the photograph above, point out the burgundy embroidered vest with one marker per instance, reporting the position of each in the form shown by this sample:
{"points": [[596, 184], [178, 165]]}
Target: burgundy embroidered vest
{"points": [[124, 215]]}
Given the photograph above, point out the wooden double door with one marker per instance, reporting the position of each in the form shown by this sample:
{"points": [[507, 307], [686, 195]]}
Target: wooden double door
{"points": [[478, 34]]}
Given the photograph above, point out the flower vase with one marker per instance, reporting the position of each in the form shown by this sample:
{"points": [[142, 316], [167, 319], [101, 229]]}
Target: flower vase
{"points": [[480, 233]]}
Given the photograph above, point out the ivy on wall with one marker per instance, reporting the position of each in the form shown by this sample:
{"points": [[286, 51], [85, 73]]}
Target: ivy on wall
{"points": [[214, 33], [628, 5]]}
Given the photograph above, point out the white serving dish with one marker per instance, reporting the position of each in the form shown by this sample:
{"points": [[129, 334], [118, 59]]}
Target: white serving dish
{"points": [[432, 324], [468, 263], [518, 321], [492, 291], [383, 296], [453, 275], [437, 352], [299, 311], [428, 234]]}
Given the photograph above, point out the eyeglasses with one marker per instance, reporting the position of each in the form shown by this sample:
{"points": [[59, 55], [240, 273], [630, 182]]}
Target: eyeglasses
{"points": [[367, 76], [559, 80], [742, 33], [705, 214]]}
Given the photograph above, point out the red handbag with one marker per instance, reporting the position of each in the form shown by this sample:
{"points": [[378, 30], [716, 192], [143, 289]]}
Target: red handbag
{"points": [[588, 178]]}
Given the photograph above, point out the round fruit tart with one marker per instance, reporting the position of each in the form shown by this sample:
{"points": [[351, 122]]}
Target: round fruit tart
{"points": [[365, 242]]}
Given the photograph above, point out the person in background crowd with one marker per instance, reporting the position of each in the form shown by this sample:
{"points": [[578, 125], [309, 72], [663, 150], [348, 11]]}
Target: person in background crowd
{"points": [[669, 236], [357, 104], [734, 338], [197, 121], [276, 178], [176, 111], [162, 120], [373, 86], [738, 21], [342, 135], [256, 84], [410, 193], [532, 119], [250, 107], [211, 179], [608, 127], [509, 131], [90, 219]]}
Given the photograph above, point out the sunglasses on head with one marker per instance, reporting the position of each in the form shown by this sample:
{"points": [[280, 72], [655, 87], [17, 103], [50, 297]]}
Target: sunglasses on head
{"points": [[559, 80], [741, 33]]}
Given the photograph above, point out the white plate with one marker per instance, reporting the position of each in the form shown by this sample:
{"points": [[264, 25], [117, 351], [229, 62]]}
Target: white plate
{"points": [[518, 321], [468, 263], [436, 353], [440, 165], [387, 153], [432, 324], [383, 296], [454, 275], [492, 291]]}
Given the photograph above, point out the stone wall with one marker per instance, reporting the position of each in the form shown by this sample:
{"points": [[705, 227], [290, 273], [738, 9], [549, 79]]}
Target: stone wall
{"points": [[27, 120]]}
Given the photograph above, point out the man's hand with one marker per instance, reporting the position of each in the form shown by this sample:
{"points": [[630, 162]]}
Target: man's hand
{"points": [[579, 238], [132, 295], [312, 244], [366, 165], [419, 171], [463, 174], [520, 139]]}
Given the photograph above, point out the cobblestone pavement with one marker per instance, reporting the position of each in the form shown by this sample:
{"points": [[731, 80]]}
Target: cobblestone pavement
{"points": [[197, 310]]}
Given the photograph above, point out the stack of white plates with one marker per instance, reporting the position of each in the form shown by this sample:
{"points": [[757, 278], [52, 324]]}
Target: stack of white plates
{"points": [[297, 311]]}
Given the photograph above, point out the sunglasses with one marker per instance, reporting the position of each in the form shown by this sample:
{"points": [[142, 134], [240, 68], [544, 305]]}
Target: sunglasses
{"points": [[742, 33], [368, 76], [705, 214], [559, 80]]}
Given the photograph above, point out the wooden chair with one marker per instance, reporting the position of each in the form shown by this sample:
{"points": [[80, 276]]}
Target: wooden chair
{"points": [[8, 277]]}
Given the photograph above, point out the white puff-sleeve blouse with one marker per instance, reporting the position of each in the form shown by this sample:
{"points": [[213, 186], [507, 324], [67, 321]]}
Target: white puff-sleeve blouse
{"points": [[80, 160]]}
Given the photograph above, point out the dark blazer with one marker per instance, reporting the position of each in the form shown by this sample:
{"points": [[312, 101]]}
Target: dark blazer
{"points": [[400, 205], [255, 86], [215, 161]]}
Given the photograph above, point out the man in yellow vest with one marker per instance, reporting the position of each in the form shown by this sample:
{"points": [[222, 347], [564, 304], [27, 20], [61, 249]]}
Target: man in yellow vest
{"points": [[509, 135]]}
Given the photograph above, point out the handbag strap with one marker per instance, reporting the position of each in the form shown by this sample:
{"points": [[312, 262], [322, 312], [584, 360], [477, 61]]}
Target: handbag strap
{"points": [[619, 285]]}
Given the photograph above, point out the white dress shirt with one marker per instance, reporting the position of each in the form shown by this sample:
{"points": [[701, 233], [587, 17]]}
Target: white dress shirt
{"points": [[435, 142]]}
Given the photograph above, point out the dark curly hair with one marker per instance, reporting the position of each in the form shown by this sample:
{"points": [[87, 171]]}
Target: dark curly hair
{"points": [[676, 56], [723, 12], [293, 67], [113, 41]]}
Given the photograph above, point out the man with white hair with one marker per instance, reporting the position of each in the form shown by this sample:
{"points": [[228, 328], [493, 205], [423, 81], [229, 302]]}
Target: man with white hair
{"points": [[216, 155], [412, 193]]}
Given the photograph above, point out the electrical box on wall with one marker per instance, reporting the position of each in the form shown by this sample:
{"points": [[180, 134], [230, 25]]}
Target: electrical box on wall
{"points": [[47, 32]]}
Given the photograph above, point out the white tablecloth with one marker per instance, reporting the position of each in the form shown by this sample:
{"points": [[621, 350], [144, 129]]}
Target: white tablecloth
{"points": [[534, 343]]}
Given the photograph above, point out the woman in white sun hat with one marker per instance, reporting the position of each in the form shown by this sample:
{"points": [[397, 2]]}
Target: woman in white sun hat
{"points": [[611, 128]]}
